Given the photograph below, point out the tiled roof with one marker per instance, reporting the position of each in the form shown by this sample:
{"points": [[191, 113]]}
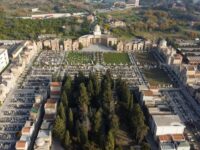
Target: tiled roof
{"points": [[56, 84], [20, 144]]}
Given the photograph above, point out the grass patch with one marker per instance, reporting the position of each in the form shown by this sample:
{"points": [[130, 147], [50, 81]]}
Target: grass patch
{"points": [[79, 58], [157, 76], [117, 58]]}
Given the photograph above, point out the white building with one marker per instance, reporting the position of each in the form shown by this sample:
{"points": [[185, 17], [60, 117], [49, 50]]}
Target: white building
{"points": [[43, 141], [97, 30], [166, 124], [4, 60], [135, 3]]}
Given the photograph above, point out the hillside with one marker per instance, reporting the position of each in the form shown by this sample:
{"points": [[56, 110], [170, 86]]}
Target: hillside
{"points": [[24, 7]]}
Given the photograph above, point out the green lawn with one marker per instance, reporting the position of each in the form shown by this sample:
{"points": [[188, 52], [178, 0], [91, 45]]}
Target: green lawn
{"points": [[79, 58], [117, 58], [157, 76]]}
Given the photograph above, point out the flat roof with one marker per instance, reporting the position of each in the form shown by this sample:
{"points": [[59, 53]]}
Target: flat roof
{"points": [[167, 120], [178, 137], [148, 93], [164, 138], [167, 146], [184, 144]]}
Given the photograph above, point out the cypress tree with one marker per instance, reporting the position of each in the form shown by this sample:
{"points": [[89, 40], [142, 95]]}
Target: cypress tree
{"points": [[70, 120], [68, 85], [138, 123], [83, 98], [67, 140], [110, 141], [64, 100], [59, 128]]}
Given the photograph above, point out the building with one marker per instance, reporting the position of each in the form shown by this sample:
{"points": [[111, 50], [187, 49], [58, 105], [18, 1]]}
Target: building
{"points": [[50, 106], [55, 45], [91, 18], [55, 90], [68, 45], [44, 140], [98, 38], [133, 3], [4, 60], [115, 24], [146, 96], [47, 44], [166, 124], [21, 145]]}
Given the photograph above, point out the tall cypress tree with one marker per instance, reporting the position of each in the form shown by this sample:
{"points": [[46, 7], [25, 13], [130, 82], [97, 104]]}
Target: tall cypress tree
{"points": [[64, 99], [138, 123], [68, 85], [83, 98], [67, 140], [70, 120], [90, 89], [110, 141], [59, 128], [62, 111]]}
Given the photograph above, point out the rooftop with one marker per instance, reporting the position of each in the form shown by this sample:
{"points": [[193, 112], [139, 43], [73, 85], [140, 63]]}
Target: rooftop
{"points": [[167, 120], [56, 84], [164, 138], [184, 144], [178, 137], [26, 129], [148, 93], [20, 144]]}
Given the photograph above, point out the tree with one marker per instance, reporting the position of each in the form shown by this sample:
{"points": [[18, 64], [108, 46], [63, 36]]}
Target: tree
{"points": [[90, 88], [83, 98], [130, 104], [64, 99], [67, 140], [145, 146], [110, 141], [68, 85], [107, 97], [59, 128], [70, 120], [138, 124], [96, 85], [83, 135], [97, 121], [114, 123], [62, 112]]}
